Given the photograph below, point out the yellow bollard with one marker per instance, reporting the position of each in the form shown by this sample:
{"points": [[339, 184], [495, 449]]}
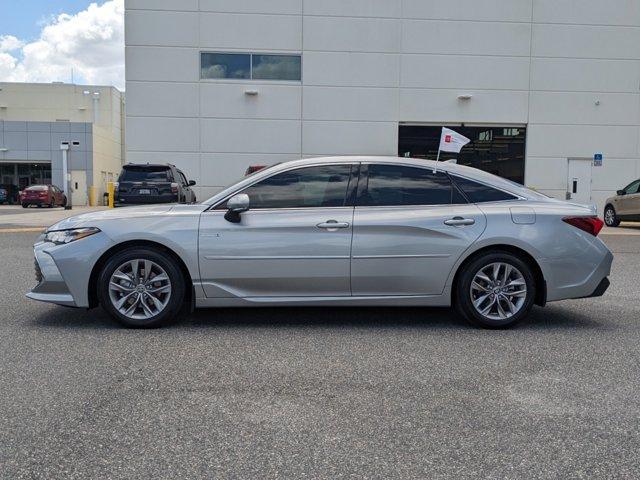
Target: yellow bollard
{"points": [[93, 196], [112, 193]]}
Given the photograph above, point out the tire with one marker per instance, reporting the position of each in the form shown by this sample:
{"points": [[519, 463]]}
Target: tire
{"points": [[503, 313], [25, 205], [610, 217], [64, 202], [146, 313]]}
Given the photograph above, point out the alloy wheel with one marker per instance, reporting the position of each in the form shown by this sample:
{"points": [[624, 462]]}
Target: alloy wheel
{"points": [[140, 289], [609, 217], [498, 291]]}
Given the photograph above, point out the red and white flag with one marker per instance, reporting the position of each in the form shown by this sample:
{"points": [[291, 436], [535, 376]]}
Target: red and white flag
{"points": [[451, 141]]}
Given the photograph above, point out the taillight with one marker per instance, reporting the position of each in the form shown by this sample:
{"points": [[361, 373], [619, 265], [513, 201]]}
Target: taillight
{"points": [[591, 225], [174, 188]]}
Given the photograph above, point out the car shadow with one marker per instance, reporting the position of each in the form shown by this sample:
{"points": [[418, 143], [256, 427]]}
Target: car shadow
{"points": [[550, 318]]}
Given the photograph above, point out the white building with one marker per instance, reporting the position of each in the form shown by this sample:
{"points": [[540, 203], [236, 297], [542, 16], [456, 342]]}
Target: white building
{"points": [[36, 118], [541, 86]]}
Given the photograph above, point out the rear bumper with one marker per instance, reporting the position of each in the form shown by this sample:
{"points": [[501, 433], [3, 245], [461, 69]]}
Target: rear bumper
{"points": [[582, 284], [600, 289], [123, 201]]}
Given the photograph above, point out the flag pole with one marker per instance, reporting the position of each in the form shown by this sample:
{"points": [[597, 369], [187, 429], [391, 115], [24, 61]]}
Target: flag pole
{"points": [[435, 168]]}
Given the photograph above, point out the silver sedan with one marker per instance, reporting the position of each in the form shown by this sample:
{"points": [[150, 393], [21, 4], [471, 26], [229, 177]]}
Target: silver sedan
{"points": [[342, 231]]}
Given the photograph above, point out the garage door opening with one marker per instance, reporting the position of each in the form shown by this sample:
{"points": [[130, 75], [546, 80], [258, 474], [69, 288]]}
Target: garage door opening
{"points": [[497, 150]]}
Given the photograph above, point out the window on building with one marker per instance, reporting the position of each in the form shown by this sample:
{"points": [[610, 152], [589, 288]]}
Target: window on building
{"points": [[277, 67], [390, 185], [225, 65], [250, 66], [324, 186], [479, 193]]}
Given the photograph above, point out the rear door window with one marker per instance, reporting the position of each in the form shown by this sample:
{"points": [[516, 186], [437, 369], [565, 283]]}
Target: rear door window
{"points": [[145, 174], [392, 185]]}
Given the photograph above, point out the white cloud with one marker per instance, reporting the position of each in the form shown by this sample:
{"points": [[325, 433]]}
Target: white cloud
{"points": [[90, 42], [9, 43]]}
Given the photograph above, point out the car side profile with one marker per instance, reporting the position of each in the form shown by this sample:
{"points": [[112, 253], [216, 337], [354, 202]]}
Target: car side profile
{"points": [[624, 206], [43, 195], [147, 184], [342, 231]]}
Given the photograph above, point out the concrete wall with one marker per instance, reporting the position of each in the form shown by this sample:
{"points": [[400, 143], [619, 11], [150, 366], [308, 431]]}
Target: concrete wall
{"points": [[569, 70]]}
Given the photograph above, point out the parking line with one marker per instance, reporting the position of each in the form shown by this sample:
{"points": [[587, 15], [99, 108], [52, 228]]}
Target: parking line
{"points": [[23, 230]]}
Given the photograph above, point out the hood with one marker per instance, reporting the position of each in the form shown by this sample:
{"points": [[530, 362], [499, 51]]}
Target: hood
{"points": [[93, 218]]}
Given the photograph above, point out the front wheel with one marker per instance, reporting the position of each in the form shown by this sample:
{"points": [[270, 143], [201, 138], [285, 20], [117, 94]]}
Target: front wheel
{"points": [[141, 288], [495, 290], [610, 217]]}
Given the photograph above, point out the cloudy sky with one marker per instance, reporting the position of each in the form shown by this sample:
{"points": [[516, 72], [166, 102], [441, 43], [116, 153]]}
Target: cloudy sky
{"points": [[44, 40]]}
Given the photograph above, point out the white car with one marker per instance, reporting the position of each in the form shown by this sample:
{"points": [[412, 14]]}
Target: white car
{"points": [[344, 231]]}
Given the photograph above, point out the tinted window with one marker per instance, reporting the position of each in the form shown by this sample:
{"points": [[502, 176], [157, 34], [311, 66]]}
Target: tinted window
{"points": [[146, 174], [225, 65], [479, 193], [324, 186], [183, 179], [277, 67], [397, 185], [247, 66], [633, 188]]}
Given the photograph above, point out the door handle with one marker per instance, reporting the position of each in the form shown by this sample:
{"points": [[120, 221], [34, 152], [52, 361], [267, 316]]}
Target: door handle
{"points": [[332, 225], [459, 222]]}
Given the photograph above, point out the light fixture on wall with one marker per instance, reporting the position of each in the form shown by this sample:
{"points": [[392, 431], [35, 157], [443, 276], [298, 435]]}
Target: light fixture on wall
{"points": [[3, 149], [465, 96], [251, 93]]}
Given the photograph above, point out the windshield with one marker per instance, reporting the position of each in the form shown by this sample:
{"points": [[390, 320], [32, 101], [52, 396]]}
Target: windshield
{"points": [[37, 188], [146, 174]]}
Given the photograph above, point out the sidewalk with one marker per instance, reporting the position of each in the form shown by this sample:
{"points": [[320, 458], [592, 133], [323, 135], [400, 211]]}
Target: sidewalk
{"points": [[17, 219]]}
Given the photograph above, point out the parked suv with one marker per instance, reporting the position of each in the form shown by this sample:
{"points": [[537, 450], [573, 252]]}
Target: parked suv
{"points": [[146, 184], [624, 206]]}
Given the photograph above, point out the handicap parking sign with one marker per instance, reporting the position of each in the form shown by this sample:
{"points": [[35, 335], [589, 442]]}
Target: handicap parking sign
{"points": [[597, 159]]}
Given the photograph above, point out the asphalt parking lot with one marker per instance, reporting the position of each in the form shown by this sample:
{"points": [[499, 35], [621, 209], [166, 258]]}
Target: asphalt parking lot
{"points": [[320, 393]]}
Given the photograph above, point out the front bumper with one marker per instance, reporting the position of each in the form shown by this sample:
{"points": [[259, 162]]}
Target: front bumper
{"points": [[65, 270], [51, 286]]}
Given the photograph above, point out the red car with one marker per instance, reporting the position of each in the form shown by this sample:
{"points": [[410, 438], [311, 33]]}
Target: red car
{"points": [[40, 195]]}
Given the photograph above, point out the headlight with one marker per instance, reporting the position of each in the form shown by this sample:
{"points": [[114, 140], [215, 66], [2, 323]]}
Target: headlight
{"points": [[61, 237]]}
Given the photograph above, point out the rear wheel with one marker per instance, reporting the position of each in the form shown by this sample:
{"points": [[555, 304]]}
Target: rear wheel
{"points": [[25, 205], [610, 217], [495, 290], [142, 288]]}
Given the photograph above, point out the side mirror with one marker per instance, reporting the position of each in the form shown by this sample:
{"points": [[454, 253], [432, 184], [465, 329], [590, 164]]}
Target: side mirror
{"points": [[235, 206], [621, 192], [192, 183]]}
